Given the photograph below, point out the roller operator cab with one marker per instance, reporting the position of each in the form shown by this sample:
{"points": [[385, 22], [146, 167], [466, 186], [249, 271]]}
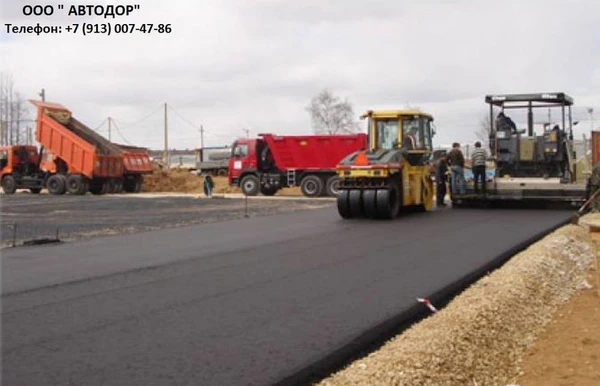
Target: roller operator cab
{"points": [[393, 174]]}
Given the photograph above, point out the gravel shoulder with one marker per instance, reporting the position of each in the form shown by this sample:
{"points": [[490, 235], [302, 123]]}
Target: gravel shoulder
{"points": [[482, 336]]}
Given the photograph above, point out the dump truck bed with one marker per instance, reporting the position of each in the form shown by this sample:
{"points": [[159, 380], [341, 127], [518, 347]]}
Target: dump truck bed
{"points": [[78, 146], [312, 151], [136, 160]]}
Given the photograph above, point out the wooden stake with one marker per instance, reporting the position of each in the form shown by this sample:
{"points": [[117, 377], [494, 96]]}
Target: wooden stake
{"points": [[595, 236]]}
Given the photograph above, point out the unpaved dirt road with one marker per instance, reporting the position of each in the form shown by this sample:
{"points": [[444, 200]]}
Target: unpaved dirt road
{"points": [[243, 302]]}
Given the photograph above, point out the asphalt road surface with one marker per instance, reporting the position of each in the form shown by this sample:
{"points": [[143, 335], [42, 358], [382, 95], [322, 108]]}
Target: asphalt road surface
{"points": [[245, 302], [78, 217]]}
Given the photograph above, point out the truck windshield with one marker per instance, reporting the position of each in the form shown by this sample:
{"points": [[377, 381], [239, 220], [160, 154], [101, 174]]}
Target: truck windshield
{"points": [[386, 133], [240, 150]]}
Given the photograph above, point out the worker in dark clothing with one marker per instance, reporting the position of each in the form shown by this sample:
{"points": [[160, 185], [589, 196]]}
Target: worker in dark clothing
{"points": [[209, 185], [441, 178], [478, 166], [505, 124], [456, 160]]}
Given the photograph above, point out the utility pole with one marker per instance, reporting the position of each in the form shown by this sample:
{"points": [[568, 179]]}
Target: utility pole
{"points": [[42, 94], [591, 112], [201, 137], [109, 129], [166, 159]]}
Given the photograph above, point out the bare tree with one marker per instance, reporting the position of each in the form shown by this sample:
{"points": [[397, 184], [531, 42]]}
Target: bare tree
{"points": [[13, 113], [484, 129], [330, 115]]}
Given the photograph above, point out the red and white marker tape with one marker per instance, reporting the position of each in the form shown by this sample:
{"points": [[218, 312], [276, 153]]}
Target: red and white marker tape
{"points": [[428, 304]]}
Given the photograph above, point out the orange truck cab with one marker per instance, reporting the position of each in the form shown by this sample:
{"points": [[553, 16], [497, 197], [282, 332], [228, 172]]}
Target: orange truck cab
{"points": [[20, 169]]}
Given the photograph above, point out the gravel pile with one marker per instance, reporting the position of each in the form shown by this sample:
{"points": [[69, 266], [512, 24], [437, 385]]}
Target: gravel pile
{"points": [[479, 338]]}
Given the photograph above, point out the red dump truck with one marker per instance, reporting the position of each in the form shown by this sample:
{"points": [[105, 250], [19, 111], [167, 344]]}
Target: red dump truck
{"points": [[271, 162], [73, 158]]}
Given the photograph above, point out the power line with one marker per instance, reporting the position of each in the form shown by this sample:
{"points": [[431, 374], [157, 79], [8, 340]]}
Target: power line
{"points": [[101, 124], [183, 118], [119, 132], [144, 117]]}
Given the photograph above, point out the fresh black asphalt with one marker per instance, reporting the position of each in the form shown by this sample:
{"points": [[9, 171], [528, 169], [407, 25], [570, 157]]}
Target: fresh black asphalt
{"points": [[79, 217], [244, 302]]}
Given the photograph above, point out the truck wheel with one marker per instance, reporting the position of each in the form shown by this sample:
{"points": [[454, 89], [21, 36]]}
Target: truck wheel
{"points": [[9, 185], [343, 204], [137, 186], [35, 190], [388, 202], [56, 184], [110, 186], [118, 186], [129, 185], [332, 186], [222, 172], [268, 190], [75, 184], [311, 186], [96, 188], [250, 185]]}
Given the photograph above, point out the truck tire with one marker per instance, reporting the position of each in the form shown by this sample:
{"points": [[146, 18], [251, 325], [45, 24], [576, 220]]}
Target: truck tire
{"points": [[96, 188], [137, 186], [222, 173], [268, 190], [110, 186], [118, 186], [311, 186], [250, 185], [332, 186], [9, 184], [75, 184], [56, 184]]}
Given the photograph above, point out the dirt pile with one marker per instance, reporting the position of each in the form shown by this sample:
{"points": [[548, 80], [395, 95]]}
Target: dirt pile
{"points": [[174, 180], [480, 337], [182, 181]]}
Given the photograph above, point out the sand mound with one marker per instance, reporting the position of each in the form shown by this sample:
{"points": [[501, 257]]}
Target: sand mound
{"points": [[184, 181], [174, 180]]}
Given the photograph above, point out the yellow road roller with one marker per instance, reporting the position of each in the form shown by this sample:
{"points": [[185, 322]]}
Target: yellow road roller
{"points": [[393, 174]]}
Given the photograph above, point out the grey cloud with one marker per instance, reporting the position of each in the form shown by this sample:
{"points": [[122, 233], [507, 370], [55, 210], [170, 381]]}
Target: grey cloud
{"points": [[234, 64]]}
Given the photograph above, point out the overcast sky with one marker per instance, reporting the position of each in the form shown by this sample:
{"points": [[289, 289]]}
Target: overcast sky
{"points": [[231, 65]]}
